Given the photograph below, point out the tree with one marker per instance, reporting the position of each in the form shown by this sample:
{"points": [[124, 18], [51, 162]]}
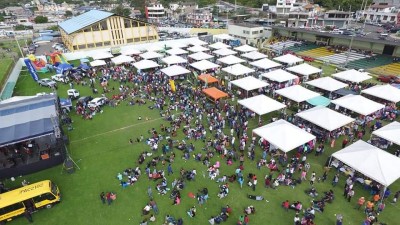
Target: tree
{"points": [[120, 10], [68, 13], [41, 19], [1, 18]]}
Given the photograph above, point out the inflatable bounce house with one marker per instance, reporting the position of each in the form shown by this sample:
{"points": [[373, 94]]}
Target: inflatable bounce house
{"points": [[38, 64], [56, 58]]}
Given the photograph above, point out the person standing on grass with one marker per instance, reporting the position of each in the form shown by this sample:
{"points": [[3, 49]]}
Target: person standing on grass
{"points": [[154, 206], [103, 197], [396, 196], [312, 179], [360, 203], [350, 194], [254, 182], [149, 192], [28, 216], [246, 220], [108, 197], [335, 180], [170, 169]]}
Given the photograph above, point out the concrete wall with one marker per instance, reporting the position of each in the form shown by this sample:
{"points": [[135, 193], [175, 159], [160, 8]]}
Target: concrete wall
{"points": [[397, 51]]}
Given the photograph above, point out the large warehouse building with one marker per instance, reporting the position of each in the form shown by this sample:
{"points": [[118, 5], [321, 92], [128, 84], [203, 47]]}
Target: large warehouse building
{"points": [[99, 29]]}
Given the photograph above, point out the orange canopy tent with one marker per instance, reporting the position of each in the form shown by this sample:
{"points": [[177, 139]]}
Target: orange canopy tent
{"points": [[215, 93], [207, 78]]}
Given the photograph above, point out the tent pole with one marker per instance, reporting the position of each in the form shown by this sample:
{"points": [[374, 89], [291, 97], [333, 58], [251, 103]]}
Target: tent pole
{"points": [[383, 194], [330, 161]]}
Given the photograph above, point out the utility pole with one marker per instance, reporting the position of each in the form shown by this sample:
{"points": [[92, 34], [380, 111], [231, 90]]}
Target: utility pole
{"points": [[348, 53], [19, 47]]}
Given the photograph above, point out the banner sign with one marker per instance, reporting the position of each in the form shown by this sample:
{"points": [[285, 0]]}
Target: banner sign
{"points": [[31, 69]]}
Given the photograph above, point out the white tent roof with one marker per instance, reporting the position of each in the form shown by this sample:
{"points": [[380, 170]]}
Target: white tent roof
{"points": [[249, 83], [245, 48], [98, 63], [279, 76], [261, 104], [198, 48], [358, 104], [173, 59], [224, 52], [197, 42], [325, 118], [237, 70], [219, 45], [204, 65], [130, 51], [352, 76], [297, 93], [371, 161], [154, 48], [327, 83], [284, 135], [101, 55], [223, 37], [175, 70], [304, 69], [390, 132], [150, 55], [176, 44], [288, 59], [176, 51], [265, 64], [122, 59], [145, 64], [387, 92], [230, 60], [254, 55], [200, 56]]}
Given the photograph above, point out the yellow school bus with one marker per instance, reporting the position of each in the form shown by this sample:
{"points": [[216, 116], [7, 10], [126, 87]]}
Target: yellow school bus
{"points": [[35, 196]]}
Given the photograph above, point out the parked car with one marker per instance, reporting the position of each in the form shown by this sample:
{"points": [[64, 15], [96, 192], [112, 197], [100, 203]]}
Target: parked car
{"points": [[308, 59], [84, 99], [389, 79], [47, 82], [97, 102], [60, 78], [73, 93]]}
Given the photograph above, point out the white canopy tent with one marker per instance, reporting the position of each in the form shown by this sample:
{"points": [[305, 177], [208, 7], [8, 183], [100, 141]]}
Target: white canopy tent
{"points": [[390, 132], [304, 69], [325, 118], [288, 59], [284, 135], [154, 48], [230, 60], [254, 55], [151, 55], [297, 93], [386, 92], [219, 45], [358, 104], [198, 48], [101, 55], [261, 104], [122, 59], [175, 70], [352, 76], [176, 51], [265, 64], [200, 56], [197, 41], [176, 44], [371, 161], [98, 63], [279, 76], [245, 48], [224, 52], [173, 59], [221, 37], [249, 83], [145, 64], [238, 70], [204, 65], [327, 83], [130, 51]]}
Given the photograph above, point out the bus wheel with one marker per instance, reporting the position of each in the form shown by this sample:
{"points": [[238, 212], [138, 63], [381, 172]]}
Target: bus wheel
{"points": [[48, 206]]}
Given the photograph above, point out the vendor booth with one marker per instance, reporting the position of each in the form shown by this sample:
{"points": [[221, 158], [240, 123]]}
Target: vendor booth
{"points": [[214, 93]]}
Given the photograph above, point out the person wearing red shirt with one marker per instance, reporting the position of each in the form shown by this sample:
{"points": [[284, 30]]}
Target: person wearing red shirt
{"points": [[246, 220]]}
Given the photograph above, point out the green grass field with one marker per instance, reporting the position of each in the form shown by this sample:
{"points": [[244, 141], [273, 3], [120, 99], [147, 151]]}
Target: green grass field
{"points": [[101, 148], [5, 67]]}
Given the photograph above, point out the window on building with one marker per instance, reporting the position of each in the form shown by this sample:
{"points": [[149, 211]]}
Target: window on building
{"points": [[288, 3], [129, 40], [143, 39], [104, 25], [90, 45], [99, 44], [75, 47], [151, 38], [127, 23], [261, 31], [244, 31], [255, 32], [107, 43], [141, 24], [87, 30], [82, 46], [136, 39], [95, 27], [392, 18]]}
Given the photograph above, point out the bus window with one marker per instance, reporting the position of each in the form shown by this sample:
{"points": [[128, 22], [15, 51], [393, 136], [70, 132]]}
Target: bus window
{"points": [[12, 208], [54, 188], [43, 197]]}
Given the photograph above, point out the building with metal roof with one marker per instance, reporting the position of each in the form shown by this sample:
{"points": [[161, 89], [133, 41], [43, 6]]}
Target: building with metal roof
{"points": [[99, 29]]}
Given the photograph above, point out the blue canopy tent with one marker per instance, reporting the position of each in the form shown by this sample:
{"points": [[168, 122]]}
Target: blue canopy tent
{"points": [[319, 100], [63, 67], [84, 66]]}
